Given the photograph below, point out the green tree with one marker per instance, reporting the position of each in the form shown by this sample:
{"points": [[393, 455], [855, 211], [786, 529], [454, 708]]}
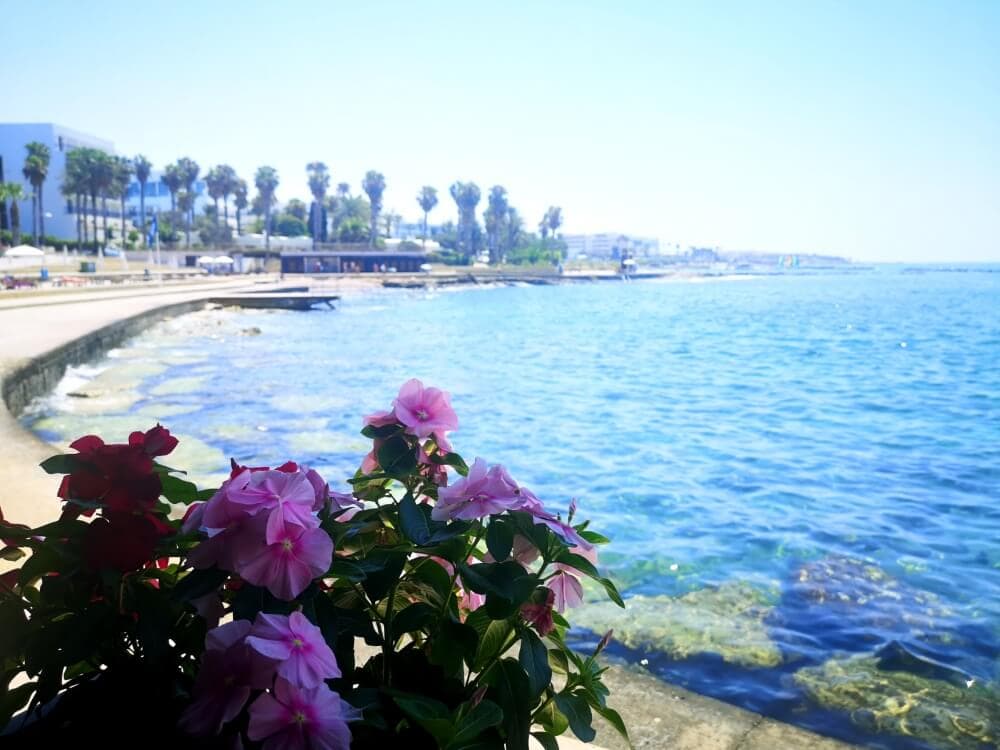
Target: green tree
{"points": [[74, 188], [319, 183], [215, 181], [185, 204], [174, 180], [189, 170], [290, 225], [296, 208], [466, 196], [427, 199], [36, 169], [13, 193], [343, 190], [121, 176], [374, 187], [104, 171], [266, 181], [230, 182], [143, 168], [241, 193], [391, 220], [553, 218], [493, 218], [513, 230]]}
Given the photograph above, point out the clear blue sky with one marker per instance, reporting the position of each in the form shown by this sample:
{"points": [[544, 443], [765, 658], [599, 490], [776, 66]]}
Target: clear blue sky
{"points": [[869, 129]]}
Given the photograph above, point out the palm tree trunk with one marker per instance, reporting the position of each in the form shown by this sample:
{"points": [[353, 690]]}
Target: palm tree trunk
{"points": [[93, 215], [225, 210], [216, 211], [423, 245], [41, 214], [267, 227], [238, 221], [15, 223], [104, 212], [79, 224], [34, 219], [374, 229], [142, 213]]}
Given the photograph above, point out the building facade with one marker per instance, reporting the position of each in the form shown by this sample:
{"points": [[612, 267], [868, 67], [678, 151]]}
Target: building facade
{"points": [[157, 197], [60, 218], [610, 245]]}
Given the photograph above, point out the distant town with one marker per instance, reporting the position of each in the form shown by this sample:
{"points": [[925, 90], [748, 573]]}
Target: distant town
{"points": [[69, 191]]}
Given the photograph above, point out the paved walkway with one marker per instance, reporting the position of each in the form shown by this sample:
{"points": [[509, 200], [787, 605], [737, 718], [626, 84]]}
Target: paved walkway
{"points": [[659, 715]]}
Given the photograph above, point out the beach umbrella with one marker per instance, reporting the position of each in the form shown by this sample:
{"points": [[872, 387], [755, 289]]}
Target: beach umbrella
{"points": [[223, 260], [24, 251], [205, 260]]}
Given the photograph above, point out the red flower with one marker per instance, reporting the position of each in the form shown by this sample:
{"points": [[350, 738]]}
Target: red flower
{"points": [[540, 614], [155, 442], [119, 541]]}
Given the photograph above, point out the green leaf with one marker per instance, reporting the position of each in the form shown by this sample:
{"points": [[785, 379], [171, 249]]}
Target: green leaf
{"points": [[65, 463], [177, 490], [506, 579], [415, 521], [578, 713], [547, 741], [12, 553], [551, 719], [198, 583], [413, 617], [372, 432], [493, 636], [453, 644], [612, 591], [534, 660], [579, 563], [46, 558], [434, 579], [509, 688], [432, 715], [382, 569], [456, 462], [12, 701], [487, 714], [347, 569], [499, 539], [594, 538], [396, 457], [558, 661], [614, 719]]}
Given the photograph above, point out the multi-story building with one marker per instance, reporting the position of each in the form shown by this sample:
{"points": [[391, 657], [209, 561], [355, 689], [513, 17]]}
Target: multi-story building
{"points": [[612, 245], [60, 219], [158, 196]]}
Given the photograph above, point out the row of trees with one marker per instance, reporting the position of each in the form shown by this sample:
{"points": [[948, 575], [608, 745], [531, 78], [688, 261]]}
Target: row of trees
{"points": [[93, 174]]}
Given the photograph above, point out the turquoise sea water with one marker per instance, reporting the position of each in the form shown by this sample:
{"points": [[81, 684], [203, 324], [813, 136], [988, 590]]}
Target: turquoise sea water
{"points": [[820, 453]]}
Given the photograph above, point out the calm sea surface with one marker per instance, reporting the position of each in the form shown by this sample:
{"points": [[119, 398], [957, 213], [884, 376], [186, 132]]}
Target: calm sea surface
{"points": [[806, 463]]}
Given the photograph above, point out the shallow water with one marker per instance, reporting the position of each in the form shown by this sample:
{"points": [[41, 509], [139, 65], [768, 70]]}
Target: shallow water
{"points": [[830, 442]]}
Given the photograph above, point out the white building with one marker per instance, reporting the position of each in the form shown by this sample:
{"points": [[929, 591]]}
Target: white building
{"points": [[610, 245], [158, 197], [60, 221]]}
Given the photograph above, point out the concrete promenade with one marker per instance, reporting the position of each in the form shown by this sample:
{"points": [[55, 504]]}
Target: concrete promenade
{"points": [[36, 327]]}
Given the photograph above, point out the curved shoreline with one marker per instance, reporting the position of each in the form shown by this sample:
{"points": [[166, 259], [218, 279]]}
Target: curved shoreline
{"points": [[658, 714]]}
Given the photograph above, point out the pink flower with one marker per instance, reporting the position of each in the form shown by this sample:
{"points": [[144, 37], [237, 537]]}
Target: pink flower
{"points": [[289, 496], [425, 411], [561, 529], [567, 589], [296, 717], [155, 442], [304, 658], [524, 551], [288, 565], [539, 614], [483, 492], [229, 671]]}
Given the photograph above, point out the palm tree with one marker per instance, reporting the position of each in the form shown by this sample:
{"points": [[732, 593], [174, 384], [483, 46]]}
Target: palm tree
{"points": [[229, 184], [36, 169], [553, 217], [343, 190], [185, 202], [122, 168], [30, 165], [174, 181], [73, 187], [266, 181], [189, 170], [374, 186], [240, 195], [142, 169], [215, 181], [466, 196], [12, 192], [319, 183], [494, 216], [428, 198], [104, 171], [513, 229]]}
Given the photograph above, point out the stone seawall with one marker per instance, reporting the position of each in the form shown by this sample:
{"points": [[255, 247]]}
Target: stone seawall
{"points": [[40, 375]]}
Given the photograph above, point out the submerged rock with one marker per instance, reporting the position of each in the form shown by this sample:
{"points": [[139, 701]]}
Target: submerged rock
{"points": [[727, 620], [936, 711]]}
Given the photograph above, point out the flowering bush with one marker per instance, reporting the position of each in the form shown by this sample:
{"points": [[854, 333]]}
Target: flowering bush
{"points": [[423, 608]]}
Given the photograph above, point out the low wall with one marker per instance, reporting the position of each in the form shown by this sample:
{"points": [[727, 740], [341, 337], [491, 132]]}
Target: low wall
{"points": [[40, 375]]}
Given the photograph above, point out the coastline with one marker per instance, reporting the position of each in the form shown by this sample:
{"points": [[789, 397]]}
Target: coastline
{"points": [[49, 337]]}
